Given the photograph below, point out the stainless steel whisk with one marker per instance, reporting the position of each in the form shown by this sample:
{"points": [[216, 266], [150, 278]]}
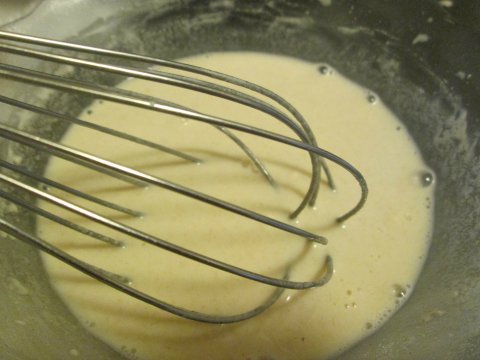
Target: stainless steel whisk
{"points": [[81, 56]]}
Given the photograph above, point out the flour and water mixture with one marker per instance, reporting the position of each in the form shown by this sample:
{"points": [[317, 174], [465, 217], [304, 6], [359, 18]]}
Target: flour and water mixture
{"points": [[377, 254]]}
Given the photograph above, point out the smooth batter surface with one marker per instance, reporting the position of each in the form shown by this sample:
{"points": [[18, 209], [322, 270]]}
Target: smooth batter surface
{"points": [[377, 254]]}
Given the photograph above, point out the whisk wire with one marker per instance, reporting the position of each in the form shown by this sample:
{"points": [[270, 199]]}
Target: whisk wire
{"points": [[39, 211], [69, 189], [288, 115], [119, 283], [127, 230], [191, 84], [69, 153], [156, 104]]}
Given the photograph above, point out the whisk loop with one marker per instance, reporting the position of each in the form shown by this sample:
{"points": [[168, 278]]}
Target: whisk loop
{"points": [[284, 113]]}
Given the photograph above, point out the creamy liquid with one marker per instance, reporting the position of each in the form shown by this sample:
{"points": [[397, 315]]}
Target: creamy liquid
{"points": [[377, 254]]}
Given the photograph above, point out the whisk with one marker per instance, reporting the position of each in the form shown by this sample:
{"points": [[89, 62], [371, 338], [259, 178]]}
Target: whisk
{"points": [[225, 87]]}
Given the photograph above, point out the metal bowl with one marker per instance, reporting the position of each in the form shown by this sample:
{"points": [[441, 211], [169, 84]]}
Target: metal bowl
{"points": [[421, 57]]}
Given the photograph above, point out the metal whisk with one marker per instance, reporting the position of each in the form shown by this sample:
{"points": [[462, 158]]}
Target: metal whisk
{"points": [[81, 56]]}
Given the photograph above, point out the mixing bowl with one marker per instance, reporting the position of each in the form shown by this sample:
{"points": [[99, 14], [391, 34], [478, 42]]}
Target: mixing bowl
{"points": [[421, 57]]}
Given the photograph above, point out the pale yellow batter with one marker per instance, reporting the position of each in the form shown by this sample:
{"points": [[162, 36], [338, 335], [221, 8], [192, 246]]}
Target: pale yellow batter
{"points": [[377, 254]]}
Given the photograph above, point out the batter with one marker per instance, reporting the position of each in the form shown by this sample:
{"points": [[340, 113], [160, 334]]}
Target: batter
{"points": [[377, 254]]}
